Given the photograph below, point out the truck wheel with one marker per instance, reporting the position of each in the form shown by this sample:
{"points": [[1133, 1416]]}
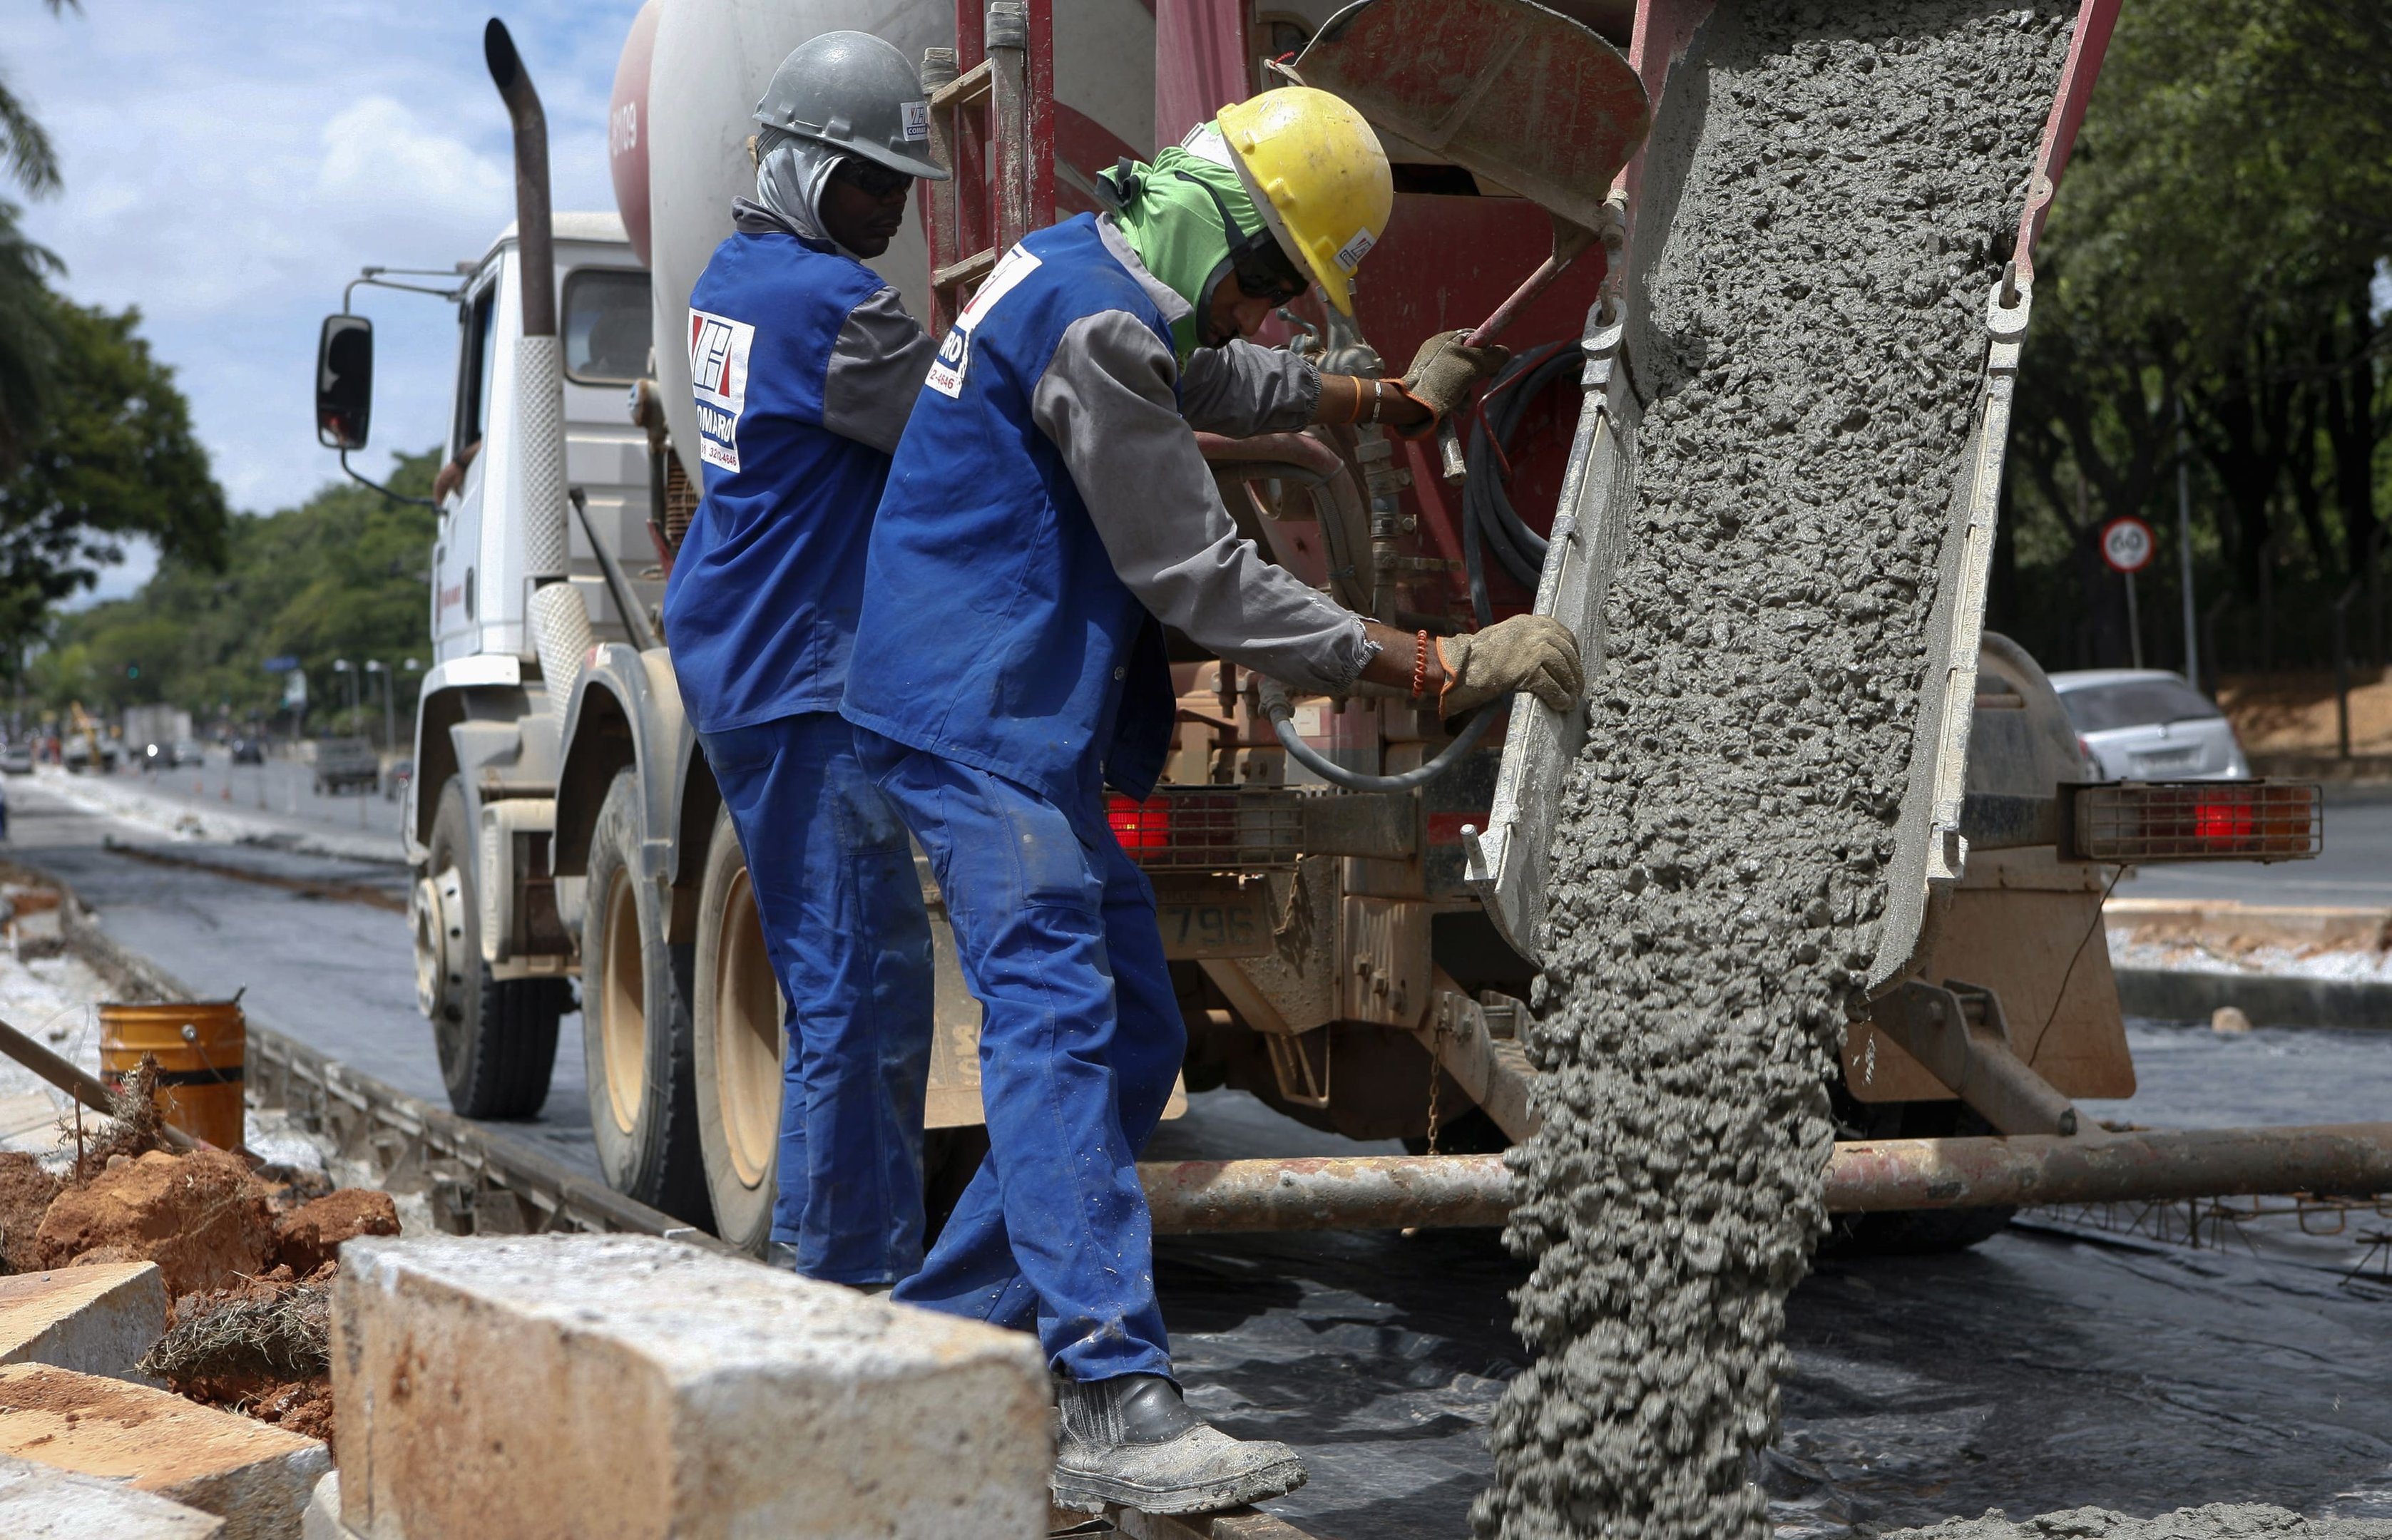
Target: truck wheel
{"points": [[496, 1038], [635, 1025], [742, 1043]]}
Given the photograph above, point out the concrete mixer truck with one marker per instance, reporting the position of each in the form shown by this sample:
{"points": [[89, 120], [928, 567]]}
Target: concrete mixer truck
{"points": [[1349, 891]]}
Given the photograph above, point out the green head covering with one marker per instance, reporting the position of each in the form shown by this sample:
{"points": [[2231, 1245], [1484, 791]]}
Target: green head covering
{"points": [[1174, 227]]}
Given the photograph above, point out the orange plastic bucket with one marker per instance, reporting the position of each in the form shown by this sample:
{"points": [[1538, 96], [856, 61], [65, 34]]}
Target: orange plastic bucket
{"points": [[200, 1046]]}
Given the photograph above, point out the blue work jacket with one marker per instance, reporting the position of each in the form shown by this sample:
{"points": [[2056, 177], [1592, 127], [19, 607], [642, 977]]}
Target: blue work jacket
{"points": [[761, 608], [995, 631]]}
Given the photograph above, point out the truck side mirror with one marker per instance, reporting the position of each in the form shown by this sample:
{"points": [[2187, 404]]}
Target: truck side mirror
{"points": [[343, 381]]}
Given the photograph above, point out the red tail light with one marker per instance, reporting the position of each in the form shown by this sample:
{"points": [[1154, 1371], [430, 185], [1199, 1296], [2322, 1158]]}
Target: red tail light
{"points": [[2133, 821], [2219, 818], [1140, 825], [1210, 828]]}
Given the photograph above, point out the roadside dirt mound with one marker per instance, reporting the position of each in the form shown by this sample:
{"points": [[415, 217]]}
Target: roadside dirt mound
{"points": [[201, 1217], [25, 1194], [261, 1347], [310, 1236]]}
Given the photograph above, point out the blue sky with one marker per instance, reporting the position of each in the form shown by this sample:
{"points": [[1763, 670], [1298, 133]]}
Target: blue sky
{"points": [[230, 164]]}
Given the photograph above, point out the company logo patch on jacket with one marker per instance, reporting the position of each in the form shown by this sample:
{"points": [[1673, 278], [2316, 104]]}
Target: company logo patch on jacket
{"points": [[718, 377], [954, 354]]}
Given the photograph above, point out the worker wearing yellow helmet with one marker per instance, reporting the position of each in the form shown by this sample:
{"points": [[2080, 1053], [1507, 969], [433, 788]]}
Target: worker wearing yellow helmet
{"points": [[1046, 516]]}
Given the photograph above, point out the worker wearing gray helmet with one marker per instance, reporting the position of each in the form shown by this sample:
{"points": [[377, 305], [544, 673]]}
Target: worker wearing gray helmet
{"points": [[806, 367]]}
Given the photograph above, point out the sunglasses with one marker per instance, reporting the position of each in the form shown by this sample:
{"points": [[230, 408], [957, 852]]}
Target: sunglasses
{"points": [[1260, 264], [871, 180]]}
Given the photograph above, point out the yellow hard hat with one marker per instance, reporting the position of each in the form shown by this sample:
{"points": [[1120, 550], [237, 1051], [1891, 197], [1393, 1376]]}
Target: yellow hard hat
{"points": [[1317, 170]]}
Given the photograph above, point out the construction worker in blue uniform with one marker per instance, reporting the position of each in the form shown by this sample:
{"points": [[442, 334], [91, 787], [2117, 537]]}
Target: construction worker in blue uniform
{"points": [[1047, 513], [805, 366]]}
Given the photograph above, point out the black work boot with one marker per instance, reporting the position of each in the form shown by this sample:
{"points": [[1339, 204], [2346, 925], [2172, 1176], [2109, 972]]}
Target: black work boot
{"points": [[1132, 1440]]}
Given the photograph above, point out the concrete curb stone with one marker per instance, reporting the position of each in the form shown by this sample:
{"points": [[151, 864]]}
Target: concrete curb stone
{"points": [[254, 1477], [98, 1319], [625, 1385], [40, 1502]]}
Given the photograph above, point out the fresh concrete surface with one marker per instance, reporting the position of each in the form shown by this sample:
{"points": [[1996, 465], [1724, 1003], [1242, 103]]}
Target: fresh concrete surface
{"points": [[254, 1477], [40, 1502], [99, 1319], [629, 1386]]}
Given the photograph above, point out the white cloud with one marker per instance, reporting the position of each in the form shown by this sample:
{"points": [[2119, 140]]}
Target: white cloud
{"points": [[231, 167], [381, 162]]}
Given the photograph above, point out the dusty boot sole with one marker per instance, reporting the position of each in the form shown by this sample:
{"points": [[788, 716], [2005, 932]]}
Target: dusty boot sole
{"points": [[1086, 1492]]}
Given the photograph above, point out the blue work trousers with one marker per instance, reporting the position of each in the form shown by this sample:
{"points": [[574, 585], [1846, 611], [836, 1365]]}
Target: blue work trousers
{"points": [[1081, 1040], [850, 942]]}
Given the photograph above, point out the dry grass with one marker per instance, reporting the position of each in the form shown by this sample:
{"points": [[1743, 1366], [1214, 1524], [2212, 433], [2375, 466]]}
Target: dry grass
{"points": [[239, 1335], [2294, 713]]}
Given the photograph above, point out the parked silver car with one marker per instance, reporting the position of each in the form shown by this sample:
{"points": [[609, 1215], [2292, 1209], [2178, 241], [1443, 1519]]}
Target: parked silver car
{"points": [[2146, 724]]}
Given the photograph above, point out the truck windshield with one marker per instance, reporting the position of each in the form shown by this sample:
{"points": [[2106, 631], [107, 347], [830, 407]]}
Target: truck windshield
{"points": [[606, 325], [2135, 702]]}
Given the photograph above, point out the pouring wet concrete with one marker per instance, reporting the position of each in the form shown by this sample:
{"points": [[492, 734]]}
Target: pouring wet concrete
{"points": [[1826, 198]]}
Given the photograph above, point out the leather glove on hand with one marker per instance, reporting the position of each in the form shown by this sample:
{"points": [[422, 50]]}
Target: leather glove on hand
{"points": [[1445, 368], [1534, 653]]}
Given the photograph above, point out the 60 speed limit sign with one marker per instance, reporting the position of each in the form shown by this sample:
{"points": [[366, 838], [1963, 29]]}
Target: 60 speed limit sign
{"points": [[2128, 545]]}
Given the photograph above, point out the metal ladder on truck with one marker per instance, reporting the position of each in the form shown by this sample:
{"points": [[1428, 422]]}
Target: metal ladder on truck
{"points": [[993, 126]]}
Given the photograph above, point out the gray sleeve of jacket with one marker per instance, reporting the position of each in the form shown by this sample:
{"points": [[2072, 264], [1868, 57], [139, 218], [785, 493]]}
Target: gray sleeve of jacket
{"points": [[1240, 390], [876, 367], [1106, 402]]}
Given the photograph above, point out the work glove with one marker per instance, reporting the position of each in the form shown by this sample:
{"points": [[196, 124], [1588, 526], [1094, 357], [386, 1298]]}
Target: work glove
{"points": [[1445, 368], [1534, 653]]}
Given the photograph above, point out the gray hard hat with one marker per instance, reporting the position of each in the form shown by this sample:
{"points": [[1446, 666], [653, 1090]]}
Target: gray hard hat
{"points": [[855, 92]]}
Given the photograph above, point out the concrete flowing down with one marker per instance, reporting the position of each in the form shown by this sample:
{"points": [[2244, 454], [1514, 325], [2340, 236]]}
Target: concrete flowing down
{"points": [[628, 1386], [1828, 198], [2216, 1521]]}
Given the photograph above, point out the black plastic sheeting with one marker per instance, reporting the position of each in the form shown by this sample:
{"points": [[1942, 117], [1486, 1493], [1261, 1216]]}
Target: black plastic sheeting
{"points": [[2041, 1370]]}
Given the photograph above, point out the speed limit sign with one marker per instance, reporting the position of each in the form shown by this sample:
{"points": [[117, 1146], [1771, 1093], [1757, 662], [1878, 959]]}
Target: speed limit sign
{"points": [[2128, 545]]}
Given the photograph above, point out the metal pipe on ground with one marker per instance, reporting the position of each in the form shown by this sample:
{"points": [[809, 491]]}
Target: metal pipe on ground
{"points": [[1397, 1192]]}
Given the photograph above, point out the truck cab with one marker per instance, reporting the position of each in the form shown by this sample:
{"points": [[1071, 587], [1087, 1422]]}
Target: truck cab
{"points": [[479, 586]]}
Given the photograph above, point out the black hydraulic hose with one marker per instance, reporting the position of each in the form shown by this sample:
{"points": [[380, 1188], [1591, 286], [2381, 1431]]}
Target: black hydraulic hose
{"points": [[1272, 697], [1487, 507], [1474, 564]]}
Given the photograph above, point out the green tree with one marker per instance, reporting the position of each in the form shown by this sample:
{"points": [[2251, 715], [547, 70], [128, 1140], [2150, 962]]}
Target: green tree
{"points": [[2227, 214], [116, 458], [341, 576], [29, 340]]}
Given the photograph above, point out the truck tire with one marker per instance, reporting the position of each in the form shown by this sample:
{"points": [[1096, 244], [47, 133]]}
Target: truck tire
{"points": [[742, 1042], [635, 1022], [496, 1038]]}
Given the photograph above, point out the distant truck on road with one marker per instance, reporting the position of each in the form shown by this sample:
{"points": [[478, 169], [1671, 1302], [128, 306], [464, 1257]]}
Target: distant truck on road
{"points": [[156, 726], [344, 764]]}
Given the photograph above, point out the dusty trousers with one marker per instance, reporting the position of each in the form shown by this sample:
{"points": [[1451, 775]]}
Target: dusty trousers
{"points": [[1081, 1040], [850, 943]]}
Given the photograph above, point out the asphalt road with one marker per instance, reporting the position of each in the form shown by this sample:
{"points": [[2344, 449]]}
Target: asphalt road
{"points": [[337, 975], [2040, 1371], [2354, 868]]}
